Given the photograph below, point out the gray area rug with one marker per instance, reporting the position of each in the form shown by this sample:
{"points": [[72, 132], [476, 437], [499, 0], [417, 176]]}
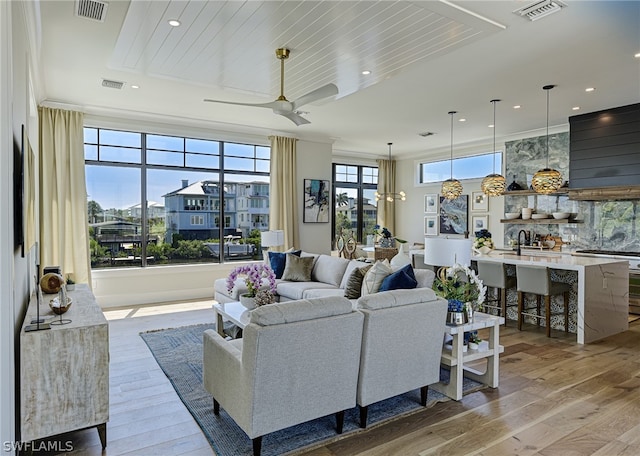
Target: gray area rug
{"points": [[179, 353]]}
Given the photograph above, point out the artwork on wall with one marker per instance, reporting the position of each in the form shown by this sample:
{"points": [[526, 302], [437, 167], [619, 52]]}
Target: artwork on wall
{"points": [[431, 203], [453, 215], [316, 201], [479, 202], [18, 192], [431, 225], [479, 222]]}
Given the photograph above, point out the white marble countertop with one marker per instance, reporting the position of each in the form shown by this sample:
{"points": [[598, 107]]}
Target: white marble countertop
{"points": [[557, 261]]}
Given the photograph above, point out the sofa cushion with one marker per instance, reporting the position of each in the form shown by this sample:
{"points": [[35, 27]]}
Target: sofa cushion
{"points": [[353, 289], [304, 309], [297, 269], [329, 269], [295, 290], [396, 298], [353, 264], [322, 292], [374, 277], [425, 277], [403, 278], [277, 261]]}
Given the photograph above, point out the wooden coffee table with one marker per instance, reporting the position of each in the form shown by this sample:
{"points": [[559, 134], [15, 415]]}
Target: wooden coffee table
{"points": [[233, 312]]}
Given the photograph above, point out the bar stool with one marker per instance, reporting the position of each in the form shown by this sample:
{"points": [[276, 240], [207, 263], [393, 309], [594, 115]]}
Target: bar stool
{"points": [[494, 275], [537, 280]]}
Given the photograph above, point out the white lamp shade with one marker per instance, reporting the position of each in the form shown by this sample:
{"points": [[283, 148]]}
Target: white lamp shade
{"points": [[272, 238], [441, 251]]}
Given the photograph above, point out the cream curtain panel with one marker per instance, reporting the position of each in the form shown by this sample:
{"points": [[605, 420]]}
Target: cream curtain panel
{"points": [[64, 238], [283, 210], [387, 184]]}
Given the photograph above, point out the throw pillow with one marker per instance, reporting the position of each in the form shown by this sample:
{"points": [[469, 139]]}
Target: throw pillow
{"points": [[297, 269], [277, 261], [374, 277], [353, 289], [402, 278]]}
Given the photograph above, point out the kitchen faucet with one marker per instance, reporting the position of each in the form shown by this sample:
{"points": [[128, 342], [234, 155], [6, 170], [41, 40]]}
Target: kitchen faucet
{"points": [[526, 237]]}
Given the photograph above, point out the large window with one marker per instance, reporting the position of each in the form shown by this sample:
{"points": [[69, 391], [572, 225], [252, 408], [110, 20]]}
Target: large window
{"points": [[155, 199], [355, 207], [472, 167]]}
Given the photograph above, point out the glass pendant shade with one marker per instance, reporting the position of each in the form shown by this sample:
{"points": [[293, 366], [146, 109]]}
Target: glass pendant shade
{"points": [[547, 180], [451, 188], [493, 185]]}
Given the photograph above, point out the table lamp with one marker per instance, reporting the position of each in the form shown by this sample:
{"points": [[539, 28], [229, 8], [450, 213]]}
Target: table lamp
{"points": [[442, 251], [273, 238]]}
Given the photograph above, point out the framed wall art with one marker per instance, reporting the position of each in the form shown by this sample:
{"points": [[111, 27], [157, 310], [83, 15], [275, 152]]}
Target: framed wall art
{"points": [[454, 215], [479, 222], [316, 201], [431, 203], [431, 225], [479, 202]]}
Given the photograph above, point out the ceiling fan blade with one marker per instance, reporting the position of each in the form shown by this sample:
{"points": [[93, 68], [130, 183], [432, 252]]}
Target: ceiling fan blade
{"points": [[271, 104], [328, 90], [295, 118]]}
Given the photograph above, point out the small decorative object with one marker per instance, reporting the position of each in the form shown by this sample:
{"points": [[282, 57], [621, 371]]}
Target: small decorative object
{"points": [[513, 186], [264, 297], [455, 312], [258, 275], [402, 258], [58, 308], [71, 284], [51, 283], [451, 284], [386, 239], [474, 340], [468, 309], [483, 243]]}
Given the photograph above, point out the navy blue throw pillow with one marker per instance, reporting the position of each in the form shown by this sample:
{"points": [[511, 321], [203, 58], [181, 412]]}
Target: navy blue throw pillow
{"points": [[278, 260], [402, 278]]}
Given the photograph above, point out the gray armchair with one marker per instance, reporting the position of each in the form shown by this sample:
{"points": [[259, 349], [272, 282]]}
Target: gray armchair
{"points": [[297, 361], [401, 344]]}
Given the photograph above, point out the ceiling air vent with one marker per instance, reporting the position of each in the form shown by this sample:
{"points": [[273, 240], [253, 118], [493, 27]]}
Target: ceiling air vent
{"points": [[540, 9], [112, 84], [91, 9]]}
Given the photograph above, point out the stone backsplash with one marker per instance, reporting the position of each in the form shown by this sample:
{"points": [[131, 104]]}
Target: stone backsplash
{"points": [[609, 225]]}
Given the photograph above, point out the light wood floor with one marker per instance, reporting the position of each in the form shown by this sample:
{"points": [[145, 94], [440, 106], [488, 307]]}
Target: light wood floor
{"points": [[555, 398]]}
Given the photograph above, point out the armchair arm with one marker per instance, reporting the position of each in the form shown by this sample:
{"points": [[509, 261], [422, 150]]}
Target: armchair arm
{"points": [[221, 367]]}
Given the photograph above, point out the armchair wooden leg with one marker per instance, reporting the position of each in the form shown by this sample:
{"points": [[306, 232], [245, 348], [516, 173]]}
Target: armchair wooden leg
{"points": [[340, 421], [424, 392], [257, 446], [216, 407]]}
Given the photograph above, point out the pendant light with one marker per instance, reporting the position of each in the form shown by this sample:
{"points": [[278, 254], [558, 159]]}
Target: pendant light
{"points": [[547, 180], [451, 188], [391, 196], [494, 184]]}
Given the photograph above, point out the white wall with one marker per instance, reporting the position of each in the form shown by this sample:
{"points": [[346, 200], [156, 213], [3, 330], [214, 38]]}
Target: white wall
{"points": [[410, 213]]}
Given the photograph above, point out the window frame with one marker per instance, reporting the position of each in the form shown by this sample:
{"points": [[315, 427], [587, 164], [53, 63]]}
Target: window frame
{"points": [[360, 187], [447, 162]]}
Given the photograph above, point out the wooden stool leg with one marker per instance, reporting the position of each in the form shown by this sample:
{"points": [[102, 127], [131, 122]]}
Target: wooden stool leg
{"points": [[547, 314], [566, 311], [502, 295], [538, 309], [520, 309]]}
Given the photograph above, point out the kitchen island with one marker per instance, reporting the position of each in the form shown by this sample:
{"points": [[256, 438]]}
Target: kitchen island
{"points": [[601, 290]]}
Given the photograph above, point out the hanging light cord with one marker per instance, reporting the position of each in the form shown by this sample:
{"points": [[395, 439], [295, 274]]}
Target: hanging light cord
{"points": [[451, 113], [494, 135], [548, 126]]}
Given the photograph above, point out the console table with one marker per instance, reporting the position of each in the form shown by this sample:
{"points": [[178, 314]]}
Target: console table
{"points": [[455, 358], [64, 371], [233, 312]]}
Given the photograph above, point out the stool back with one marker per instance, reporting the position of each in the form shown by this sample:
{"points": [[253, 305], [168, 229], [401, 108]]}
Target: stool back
{"points": [[533, 279], [492, 274]]}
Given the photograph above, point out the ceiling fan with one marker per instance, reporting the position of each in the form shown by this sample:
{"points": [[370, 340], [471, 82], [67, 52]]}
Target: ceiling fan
{"points": [[281, 105]]}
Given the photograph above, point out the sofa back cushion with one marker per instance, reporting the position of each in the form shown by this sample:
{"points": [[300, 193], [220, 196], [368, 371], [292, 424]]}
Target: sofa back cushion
{"points": [[374, 277], [403, 278], [297, 269], [353, 288], [278, 261], [395, 298], [303, 309], [425, 277], [353, 264], [329, 269]]}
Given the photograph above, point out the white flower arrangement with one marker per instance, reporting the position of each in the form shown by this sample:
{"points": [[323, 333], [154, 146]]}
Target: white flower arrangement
{"points": [[449, 286]]}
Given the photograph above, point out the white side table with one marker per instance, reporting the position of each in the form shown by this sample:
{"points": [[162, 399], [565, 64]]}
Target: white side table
{"points": [[456, 358], [231, 311]]}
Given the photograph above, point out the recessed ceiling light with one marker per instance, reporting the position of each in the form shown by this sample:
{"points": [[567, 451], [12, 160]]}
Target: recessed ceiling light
{"points": [[517, 107], [366, 72], [589, 89], [491, 126], [637, 56], [174, 23], [135, 86], [462, 120], [576, 108]]}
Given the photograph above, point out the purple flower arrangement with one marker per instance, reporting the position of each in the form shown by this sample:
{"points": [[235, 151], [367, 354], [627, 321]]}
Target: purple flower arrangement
{"points": [[255, 273]]}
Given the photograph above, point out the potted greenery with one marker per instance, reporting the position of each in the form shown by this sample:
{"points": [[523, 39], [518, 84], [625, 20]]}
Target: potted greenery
{"points": [[71, 284]]}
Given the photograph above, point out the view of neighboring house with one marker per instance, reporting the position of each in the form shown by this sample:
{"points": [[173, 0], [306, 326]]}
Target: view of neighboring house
{"points": [[252, 205], [154, 210]]}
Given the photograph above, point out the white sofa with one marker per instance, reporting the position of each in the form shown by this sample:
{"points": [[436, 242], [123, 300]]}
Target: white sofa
{"points": [[297, 361], [329, 277]]}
